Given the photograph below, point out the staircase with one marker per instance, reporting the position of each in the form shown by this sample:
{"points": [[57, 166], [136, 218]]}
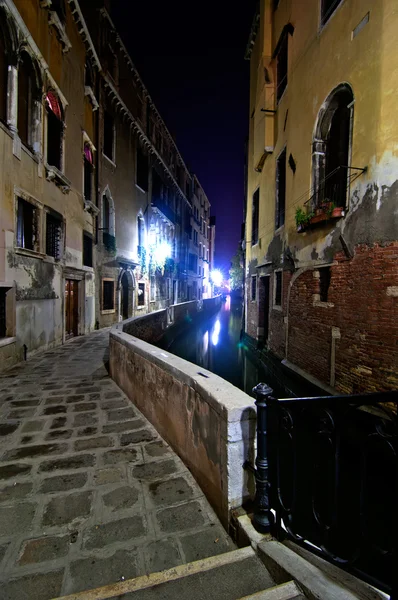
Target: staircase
{"points": [[235, 575]]}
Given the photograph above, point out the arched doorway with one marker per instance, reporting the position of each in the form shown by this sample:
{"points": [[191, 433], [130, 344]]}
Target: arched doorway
{"points": [[125, 296]]}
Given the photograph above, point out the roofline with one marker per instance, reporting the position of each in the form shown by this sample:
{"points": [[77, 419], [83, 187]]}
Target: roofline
{"points": [[253, 33]]}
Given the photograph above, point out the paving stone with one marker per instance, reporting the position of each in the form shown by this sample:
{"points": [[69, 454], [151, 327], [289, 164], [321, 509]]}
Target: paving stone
{"points": [[33, 426], [123, 426], [136, 437], [88, 390], [54, 410], [121, 414], [9, 471], [45, 548], [162, 555], [95, 572], [84, 406], [209, 542], [75, 398], [156, 449], [15, 491], [112, 404], [92, 443], [104, 476], [154, 470], [21, 413], [58, 423], [113, 394], [121, 498], [181, 517], [87, 431], [22, 403], [59, 434], [170, 491], [85, 419], [63, 483], [114, 531], [65, 509], [120, 456], [8, 428], [32, 451], [72, 462], [43, 586], [95, 397], [16, 519], [54, 400], [3, 550]]}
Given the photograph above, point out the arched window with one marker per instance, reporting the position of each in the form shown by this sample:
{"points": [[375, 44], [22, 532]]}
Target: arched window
{"points": [[331, 148], [55, 129], [27, 91], [88, 172]]}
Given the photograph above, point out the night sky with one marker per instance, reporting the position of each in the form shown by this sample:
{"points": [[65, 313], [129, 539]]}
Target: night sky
{"points": [[190, 56]]}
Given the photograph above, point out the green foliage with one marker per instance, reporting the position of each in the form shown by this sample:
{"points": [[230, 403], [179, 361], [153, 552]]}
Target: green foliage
{"points": [[302, 217], [110, 243], [236, 272], [143, 261]]}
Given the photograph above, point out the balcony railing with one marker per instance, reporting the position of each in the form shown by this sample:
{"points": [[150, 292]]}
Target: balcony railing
{"points": [[327, 479], [164, 208], [109, 241]]}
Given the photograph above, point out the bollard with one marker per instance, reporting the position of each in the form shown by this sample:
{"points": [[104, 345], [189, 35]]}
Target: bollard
{"points": [[262, 519]]}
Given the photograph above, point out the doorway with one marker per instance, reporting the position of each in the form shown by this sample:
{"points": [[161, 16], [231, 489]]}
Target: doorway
{"points": [[263, 307], [71, 308], [125, 296]]}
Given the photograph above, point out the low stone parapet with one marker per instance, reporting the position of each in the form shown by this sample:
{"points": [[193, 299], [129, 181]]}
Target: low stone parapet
{"points": [[209, 422]]}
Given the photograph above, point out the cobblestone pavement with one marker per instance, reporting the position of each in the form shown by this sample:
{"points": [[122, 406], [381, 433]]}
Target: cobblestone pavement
{"points": [[89, 492]]}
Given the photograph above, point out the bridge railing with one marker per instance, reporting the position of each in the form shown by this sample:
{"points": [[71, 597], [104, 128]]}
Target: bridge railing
{"points": [[327, 478]]}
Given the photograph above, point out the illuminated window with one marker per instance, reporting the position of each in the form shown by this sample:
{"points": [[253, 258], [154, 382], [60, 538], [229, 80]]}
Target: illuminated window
{"points": [[55, 129]]}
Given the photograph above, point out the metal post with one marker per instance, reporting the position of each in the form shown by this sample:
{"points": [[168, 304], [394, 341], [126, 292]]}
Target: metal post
{"points": [[262, 519]]}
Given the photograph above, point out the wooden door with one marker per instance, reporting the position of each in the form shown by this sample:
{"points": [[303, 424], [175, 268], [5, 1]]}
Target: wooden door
{"points": [[71, 308]]}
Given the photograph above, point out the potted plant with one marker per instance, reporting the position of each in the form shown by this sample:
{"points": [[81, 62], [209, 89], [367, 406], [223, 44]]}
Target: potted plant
{"points": [[302, 219]]}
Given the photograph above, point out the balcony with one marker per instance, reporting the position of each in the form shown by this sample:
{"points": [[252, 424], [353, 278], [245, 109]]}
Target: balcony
{"points": [[160, 205], [109, 242]]}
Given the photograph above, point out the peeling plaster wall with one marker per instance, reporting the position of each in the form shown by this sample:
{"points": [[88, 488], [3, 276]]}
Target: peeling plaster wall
{"points": [[208, 422], [352, 344]]}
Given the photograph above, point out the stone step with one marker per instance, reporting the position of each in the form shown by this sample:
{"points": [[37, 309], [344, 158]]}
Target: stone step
{"points": [[286, 591], [229, 576]]}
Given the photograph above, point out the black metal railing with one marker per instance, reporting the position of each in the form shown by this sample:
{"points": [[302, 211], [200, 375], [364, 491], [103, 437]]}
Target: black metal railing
{"points": [[332, 190], [327, 478]]}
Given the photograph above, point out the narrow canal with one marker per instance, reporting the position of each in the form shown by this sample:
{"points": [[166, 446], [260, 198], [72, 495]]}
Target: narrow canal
{"points": [[216, 345]]}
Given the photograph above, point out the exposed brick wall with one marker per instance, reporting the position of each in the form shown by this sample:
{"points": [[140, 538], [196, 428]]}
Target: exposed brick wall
{"points": [[365, 310], [251, 311]]}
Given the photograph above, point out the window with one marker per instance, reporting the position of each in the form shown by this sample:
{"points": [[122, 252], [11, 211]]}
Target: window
{"points": [[331, 148], [278, 288], [280, 189], [3, 77], [141, 294], [87, 249], [26, 91], [109, 136], [88, 172], [255, 214], [53, 234], [142, 170], [195, 237], [281, 67], [140, 231], [193, 262], [108, 294], [324, 283], [59, 7], [55, 128], [327, 9], [27, 225], [253, 294]]}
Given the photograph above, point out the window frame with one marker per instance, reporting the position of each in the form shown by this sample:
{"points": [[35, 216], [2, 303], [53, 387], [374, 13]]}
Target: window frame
{"points": [[280, 215], [38, 209], [141, 158], [282, 73], [112, 158], [48, 212], [141, 286], [104, 310], [87, 144], [87, 236], [255, 216], [322, 21], [61, 119]]}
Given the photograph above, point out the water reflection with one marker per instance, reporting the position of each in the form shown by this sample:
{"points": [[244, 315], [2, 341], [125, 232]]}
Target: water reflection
{"points": [[215, 345]]}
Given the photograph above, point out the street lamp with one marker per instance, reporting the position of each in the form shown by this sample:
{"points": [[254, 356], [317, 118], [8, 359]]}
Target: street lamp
{"points": [[216, 277]]}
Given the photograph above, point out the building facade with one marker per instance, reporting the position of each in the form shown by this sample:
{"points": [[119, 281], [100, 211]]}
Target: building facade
{"points": [[321, 219], [95, 198]]}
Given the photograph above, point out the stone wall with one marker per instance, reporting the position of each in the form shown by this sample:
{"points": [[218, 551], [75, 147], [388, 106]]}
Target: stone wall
{"points": [[208, 422]]}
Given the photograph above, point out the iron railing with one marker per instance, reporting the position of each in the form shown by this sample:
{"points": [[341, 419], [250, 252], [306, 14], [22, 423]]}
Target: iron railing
{"points": [[327, 478]]}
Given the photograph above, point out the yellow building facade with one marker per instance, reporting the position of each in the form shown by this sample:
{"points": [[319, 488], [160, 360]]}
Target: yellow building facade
{"points": [[321, 221]]}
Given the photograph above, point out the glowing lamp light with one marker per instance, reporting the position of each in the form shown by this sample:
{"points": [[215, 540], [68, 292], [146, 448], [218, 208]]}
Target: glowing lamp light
{"points": [[162, 252], [216, 277]]}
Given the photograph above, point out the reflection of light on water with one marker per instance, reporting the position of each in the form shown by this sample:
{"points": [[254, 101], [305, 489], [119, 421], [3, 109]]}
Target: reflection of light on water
{"points": [[205, 343], [216, 332]]}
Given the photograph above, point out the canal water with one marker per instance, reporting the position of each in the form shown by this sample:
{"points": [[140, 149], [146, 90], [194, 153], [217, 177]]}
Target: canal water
{"points": [[216, 345]]}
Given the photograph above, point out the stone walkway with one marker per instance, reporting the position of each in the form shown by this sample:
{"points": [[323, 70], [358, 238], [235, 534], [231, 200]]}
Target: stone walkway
{"points": [[89, 492]]}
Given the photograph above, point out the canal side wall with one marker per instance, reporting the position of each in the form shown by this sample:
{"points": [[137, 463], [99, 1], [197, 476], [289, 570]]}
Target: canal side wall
{"points": [[210, 423]]}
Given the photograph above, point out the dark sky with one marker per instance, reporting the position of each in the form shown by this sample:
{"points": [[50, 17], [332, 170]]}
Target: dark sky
{"points": [[190, 56]]}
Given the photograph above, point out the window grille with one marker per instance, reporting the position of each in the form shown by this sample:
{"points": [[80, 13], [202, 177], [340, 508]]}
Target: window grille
{"points": [[108, 295], [53, 236], [3, 323]]}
